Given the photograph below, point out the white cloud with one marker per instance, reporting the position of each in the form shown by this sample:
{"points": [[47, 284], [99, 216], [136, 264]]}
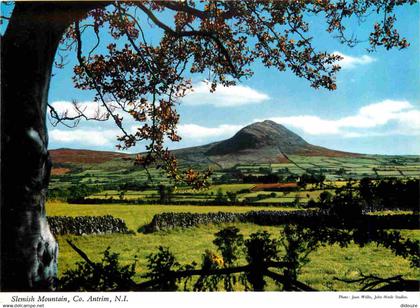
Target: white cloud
{"points": [[313, 125], [376, 114], [224, 96], [349, 62], [190, 133], [389, 117], [92, 137], [197, 132], [89, 108], [409, 123]]}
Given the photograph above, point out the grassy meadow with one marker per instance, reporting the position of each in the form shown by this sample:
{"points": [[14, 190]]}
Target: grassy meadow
{"points": [[189, 244]]}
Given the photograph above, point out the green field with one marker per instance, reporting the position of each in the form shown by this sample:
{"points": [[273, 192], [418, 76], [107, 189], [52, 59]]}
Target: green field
{"points": [[189, 244], [211, 194], [119, 172]]}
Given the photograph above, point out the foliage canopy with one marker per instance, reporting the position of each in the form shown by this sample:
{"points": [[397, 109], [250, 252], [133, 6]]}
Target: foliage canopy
{"points": [[144, 79]]}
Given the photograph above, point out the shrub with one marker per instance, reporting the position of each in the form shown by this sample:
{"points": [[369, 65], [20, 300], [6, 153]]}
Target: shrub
{"points": [[160, 266], [107, 275], [260, 249], [229, 242]]}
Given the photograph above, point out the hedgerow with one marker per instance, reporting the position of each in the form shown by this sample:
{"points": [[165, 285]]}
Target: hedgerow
{"points": [[210, 202]]}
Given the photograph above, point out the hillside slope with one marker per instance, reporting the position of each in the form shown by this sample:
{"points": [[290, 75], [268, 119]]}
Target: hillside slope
{"points": [[83, 156], [260, 142]]}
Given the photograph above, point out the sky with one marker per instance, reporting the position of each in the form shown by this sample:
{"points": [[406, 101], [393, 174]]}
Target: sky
{"points": [[375, 109]]}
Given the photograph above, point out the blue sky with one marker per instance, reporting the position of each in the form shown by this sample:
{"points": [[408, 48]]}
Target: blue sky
{"points": [[375, 109]]}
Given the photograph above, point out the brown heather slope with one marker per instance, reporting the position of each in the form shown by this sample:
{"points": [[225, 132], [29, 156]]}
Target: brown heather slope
{"points": [[83, 156]]}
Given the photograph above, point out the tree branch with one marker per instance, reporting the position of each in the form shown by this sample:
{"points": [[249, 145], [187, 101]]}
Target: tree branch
{"points": [[83, 64], [298, 286], [83, 255], [197, 33], [184, 7], [371, 282], [188, 273]]}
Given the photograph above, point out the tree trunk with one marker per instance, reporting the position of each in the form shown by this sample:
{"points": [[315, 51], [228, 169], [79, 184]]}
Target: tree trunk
{"points": [[28, 249]]}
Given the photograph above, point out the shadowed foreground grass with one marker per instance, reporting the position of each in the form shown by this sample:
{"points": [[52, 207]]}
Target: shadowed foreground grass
{"points": [[189, 244]]}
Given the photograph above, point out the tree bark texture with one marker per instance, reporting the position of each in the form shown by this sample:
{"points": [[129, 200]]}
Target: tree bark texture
{"points": [[28, 249]]}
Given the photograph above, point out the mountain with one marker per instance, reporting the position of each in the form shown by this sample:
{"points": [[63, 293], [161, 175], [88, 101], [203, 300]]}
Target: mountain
{"points": [[261, 142], [258, 137]]}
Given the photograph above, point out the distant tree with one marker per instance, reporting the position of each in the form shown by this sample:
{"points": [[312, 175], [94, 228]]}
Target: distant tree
{"points": [[341, 171], [268, 178], [346, 203], [137, 79], [80, 191], [367, 192], [325, 199], [292, 178], [395, 194], [232, 196], [303, 181], [165, 193], [265, 170], [320, 180], [121, 194], [280, 178], [296, 201], [311, 178], [220, 197]]}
